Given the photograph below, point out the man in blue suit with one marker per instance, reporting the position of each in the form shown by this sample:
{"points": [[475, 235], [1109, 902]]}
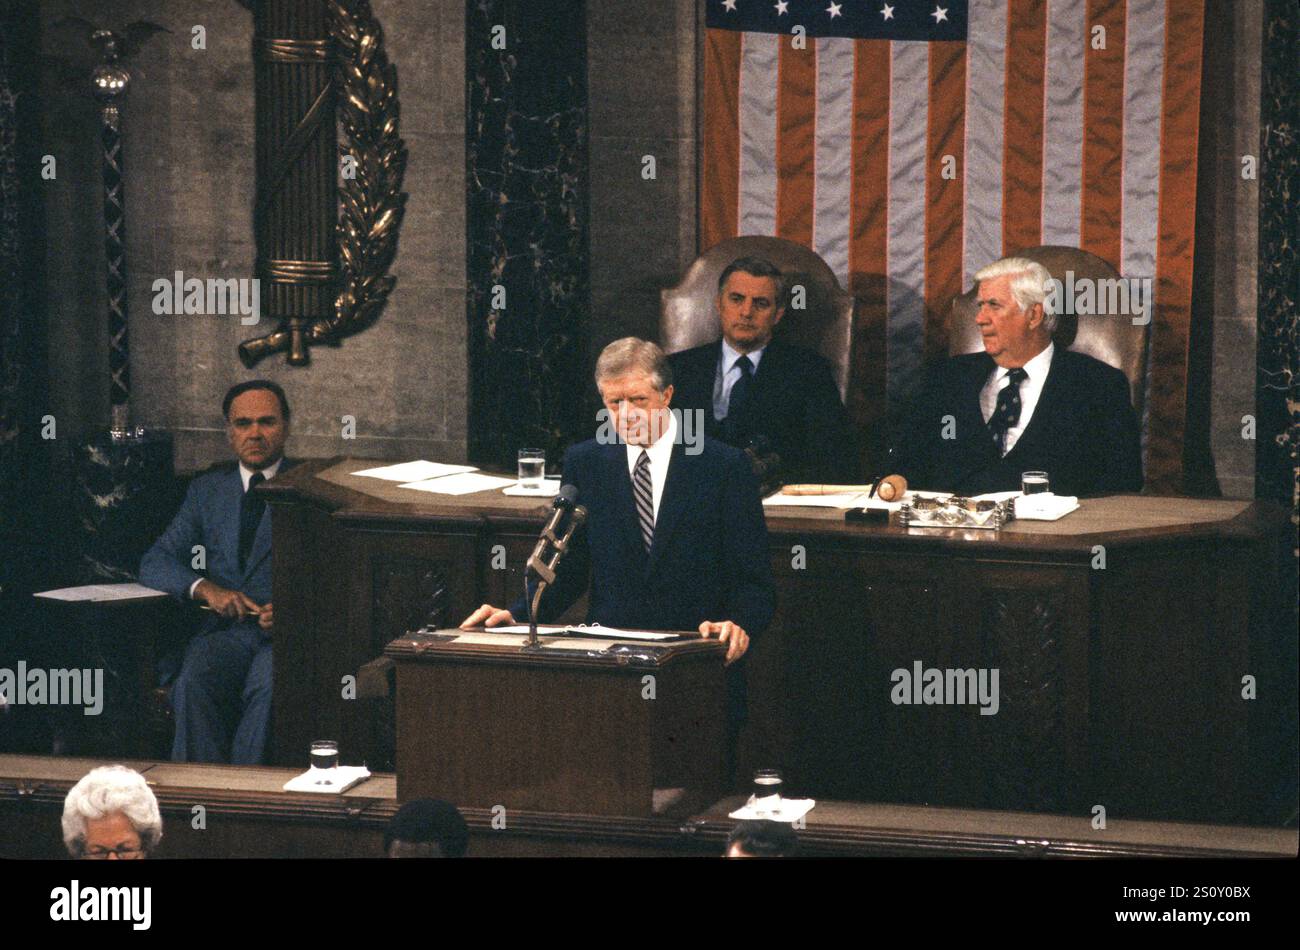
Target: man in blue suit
{"points": [[674, 537], [217, 550]]}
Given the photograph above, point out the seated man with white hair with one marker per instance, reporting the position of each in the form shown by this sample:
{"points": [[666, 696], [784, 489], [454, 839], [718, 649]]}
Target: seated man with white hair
{"points": [[1024, 404], [111, 813]]}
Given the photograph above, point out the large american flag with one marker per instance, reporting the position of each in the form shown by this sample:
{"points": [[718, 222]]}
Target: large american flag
{"points": [[910, 143]]}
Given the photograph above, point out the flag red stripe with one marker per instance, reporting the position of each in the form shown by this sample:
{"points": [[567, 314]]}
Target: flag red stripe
{"points": [[944, 196], [1103, 132], [1179, 132], [868, 224], [720, 152], [1022, 146], [796, 118]]}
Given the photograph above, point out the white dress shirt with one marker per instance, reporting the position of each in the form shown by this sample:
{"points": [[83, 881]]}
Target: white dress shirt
{"points": [[727, 373], [1031, 387], [661, 453], [246, 475]]}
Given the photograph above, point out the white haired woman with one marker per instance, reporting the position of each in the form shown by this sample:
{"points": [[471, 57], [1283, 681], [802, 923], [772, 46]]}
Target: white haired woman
{"points": [[111, 814]]}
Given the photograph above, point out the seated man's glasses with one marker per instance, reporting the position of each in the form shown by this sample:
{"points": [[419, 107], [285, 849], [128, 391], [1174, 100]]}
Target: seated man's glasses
{"points": [[123, 853]]}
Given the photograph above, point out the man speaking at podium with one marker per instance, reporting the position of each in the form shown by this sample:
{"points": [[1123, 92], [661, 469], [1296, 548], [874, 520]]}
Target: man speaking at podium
{"points": [[674, 537]]}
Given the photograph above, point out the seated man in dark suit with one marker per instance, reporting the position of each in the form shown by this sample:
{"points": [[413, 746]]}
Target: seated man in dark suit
{"points": [[1024, 404], [674, 538], [217, 550], [756, 390]]}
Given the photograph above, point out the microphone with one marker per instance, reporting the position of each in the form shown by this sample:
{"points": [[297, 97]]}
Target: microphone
{"points": [[540, 565], [564, 502]]}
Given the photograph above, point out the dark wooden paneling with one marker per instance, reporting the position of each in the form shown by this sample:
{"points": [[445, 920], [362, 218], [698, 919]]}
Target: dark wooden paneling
{"points": [[247, 816], [550, 733], [1119, 686]]}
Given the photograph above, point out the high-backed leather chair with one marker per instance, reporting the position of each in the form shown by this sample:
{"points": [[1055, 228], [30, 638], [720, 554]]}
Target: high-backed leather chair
{"points": [[824, 325], [1114, 340]]}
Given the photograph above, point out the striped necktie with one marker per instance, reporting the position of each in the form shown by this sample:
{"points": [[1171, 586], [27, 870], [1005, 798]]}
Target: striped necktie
{"points": [[643, 490]]}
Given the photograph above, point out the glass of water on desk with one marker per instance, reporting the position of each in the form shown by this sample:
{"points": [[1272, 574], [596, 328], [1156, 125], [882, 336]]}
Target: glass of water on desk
{"points": [[766, 799], [324, 760], [532, 469], [1034, 483]]}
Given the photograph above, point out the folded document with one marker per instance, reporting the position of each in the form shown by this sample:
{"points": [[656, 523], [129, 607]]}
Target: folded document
{"points": [[1045, 506], [340, 780]]}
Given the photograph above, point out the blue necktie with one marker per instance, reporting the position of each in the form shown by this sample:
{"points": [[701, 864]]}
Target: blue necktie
{"points": [[1007, 413], [738, 401], [251, 507]]}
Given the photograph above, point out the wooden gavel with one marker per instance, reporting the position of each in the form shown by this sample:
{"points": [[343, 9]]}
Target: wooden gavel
{"points": [[889, 488]]}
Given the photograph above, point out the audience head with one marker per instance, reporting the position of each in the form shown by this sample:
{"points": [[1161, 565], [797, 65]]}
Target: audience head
{"points": [[111, 814], [257, 422], [1015, 316], [762, 839], [426, 828], [751, 302], [636, 385]]}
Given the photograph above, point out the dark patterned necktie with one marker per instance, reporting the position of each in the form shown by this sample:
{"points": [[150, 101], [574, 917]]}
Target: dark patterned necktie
{"points": [[251, 507], [739, 399], [1007, 413], [643, 490]]}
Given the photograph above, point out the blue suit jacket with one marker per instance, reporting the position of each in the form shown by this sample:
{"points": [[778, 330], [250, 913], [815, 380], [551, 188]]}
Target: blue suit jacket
{"points": [[709, 558], [209, 516]]}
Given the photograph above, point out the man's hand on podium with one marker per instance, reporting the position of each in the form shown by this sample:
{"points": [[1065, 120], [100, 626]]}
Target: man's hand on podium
{"points": [[732, 634], [488, 616]]}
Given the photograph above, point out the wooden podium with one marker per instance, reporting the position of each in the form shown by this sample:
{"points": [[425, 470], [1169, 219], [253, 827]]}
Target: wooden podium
{"points": [[572, 725]]}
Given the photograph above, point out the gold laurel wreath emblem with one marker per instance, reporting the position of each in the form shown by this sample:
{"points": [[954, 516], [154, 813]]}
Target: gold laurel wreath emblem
{"points": [[372, 203]]}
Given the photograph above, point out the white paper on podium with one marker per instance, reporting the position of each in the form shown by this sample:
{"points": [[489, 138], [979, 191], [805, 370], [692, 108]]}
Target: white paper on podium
{"points": [[416, 471], [589, 630], [491, 640]]}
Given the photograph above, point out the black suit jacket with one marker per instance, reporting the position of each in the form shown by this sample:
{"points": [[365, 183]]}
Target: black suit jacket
{"points": [[1083, 432], [708, 560], [796, 406]]}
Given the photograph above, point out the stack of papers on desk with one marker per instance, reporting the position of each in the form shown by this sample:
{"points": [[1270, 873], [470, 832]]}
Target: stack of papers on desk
{"points": [[465, 483], [1045, 506], [437, 477], [850, 500], [845, 500], [416, 471], [103, 593]]}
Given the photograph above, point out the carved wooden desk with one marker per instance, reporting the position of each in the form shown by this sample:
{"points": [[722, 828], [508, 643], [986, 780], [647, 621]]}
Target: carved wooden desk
{"points": [[249, 815], [1121, 636]]}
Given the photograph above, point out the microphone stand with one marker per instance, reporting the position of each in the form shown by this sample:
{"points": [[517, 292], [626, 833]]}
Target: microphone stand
{"points": [[543, 566]]}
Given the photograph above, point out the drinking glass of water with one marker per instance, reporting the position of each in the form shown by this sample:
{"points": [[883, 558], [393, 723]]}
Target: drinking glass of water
{"points": [[1034, 483], [766, 799], [324, 759], [532, 469]]}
